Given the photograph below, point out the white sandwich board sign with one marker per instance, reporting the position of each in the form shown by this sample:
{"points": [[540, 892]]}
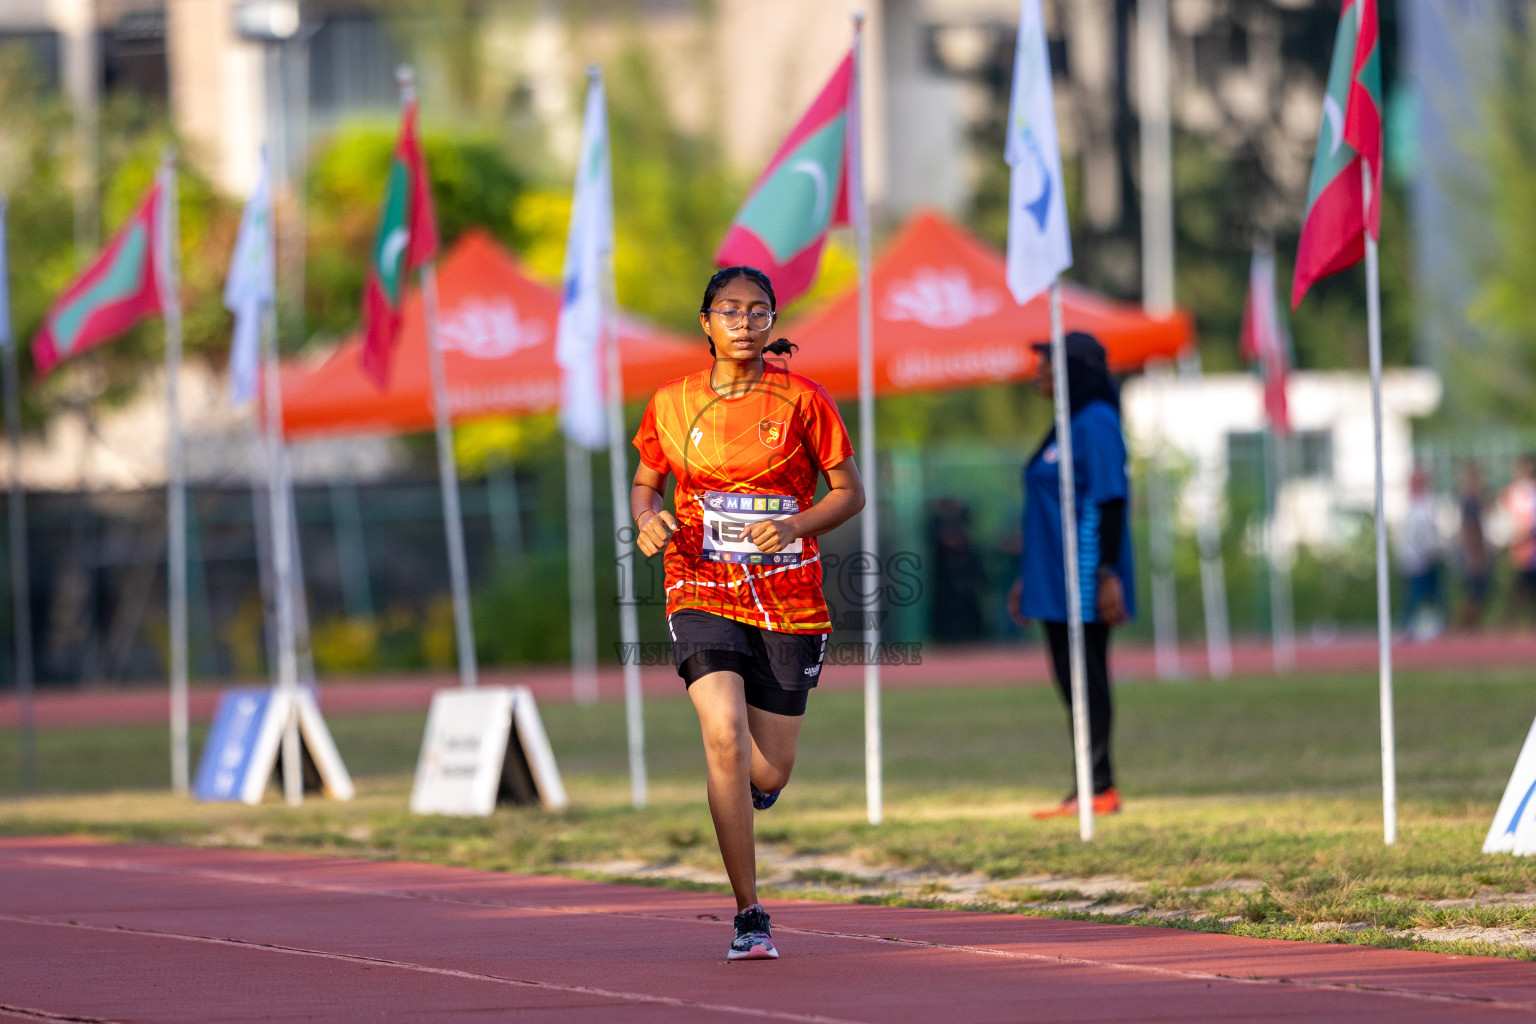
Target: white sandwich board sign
{"points": [[481, 747], [1514, 824]]}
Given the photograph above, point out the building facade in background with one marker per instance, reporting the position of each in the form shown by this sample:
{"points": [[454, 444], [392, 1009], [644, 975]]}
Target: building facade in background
{"points": [[1330, 488], [1247, 76]]}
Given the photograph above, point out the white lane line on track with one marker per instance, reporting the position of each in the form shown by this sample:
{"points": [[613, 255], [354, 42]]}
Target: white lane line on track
{"points": [[28, 1013], [1470, 1001], [1479, 1002], [445, 972]]}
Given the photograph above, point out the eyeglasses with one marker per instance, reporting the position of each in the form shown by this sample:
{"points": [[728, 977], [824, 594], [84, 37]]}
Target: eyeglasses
{"points": [[758, 319]]}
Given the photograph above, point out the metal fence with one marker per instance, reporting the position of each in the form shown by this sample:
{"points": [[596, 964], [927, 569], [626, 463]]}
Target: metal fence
{"points": [[376, 576]]}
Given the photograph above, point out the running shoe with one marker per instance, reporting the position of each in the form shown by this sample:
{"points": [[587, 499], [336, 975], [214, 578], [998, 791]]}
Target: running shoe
{"points": [[762, 801], [752, 941], [1107, 802]]}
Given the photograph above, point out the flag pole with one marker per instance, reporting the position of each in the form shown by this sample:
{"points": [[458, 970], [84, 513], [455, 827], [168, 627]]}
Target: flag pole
{"points": [[619, 480], [869, 526], [1067, 483], [1157, 291], [580, 567], [176, 497], [304, 653], [1282, 629], [263, 477], [21, 587], [282, 547], [276, 158], [624, 551], [448, 472], [1161, 511], [282, 566], [1383, 588], [1213, 580]]}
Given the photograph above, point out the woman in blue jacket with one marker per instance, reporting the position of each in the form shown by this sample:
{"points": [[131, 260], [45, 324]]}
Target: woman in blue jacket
{"points": [[1105, 570]]}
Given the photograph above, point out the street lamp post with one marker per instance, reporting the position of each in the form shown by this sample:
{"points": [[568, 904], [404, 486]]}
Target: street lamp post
{"points": [[268, 21], [274, 24]]}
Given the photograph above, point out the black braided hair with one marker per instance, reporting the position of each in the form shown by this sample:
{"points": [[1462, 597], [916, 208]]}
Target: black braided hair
{"points": [[780, 346]]}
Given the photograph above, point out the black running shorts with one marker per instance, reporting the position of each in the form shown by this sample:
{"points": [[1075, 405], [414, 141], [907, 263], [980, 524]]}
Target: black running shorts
{"points": [[779, 669]]}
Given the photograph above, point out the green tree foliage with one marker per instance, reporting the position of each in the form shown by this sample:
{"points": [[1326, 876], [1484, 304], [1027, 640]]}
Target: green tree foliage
{"points": [[1216, 234], [35, 177], [474, 184], [36, 169], [673, 199], [1495, 374]]}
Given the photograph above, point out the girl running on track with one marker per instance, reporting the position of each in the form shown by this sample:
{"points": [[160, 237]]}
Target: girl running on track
{"points": [[746, 442]]}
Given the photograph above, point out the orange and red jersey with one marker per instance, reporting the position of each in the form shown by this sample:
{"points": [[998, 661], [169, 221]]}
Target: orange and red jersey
{"points": [[756, 454]]}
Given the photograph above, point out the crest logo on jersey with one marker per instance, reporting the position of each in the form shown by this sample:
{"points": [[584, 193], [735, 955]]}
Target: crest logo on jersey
{"points": [[698, 436], [771, 432]]}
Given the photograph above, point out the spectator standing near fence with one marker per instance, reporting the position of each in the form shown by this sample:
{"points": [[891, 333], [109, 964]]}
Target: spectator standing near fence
{"points": [[1420, 555], [1519, 507], [1104, 546], [1473, 557]]}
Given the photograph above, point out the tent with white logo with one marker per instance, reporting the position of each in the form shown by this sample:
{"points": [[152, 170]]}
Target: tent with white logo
{"points": [[498, 334], [944, 320]]}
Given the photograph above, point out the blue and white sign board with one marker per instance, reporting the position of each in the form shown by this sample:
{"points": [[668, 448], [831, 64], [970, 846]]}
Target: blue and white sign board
{"points": [[466, 745], [231, 741], [242, 748], [1514, 824]]}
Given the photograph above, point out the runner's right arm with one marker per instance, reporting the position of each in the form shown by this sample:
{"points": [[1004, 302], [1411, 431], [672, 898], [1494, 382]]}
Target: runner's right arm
{"points": [[647, 507]]}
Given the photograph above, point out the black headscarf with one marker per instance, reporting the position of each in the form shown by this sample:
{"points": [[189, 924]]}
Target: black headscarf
{"points": [[1088, 378]]}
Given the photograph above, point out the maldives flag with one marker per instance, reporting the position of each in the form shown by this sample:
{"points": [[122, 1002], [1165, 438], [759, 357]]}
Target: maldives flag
{"points": [[1333, 233], [406, 239], [1266, 340], [117, 291], [803, 193]]}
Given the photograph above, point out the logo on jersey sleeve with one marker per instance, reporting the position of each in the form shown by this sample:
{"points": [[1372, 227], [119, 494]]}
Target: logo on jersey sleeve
{"points": [[771, 432], [698, 436]]}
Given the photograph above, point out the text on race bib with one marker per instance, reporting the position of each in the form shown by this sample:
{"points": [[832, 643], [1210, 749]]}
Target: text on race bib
{"points": [[727, 518]]}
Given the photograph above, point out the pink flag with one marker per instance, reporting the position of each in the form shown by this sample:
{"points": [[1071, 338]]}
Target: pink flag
{"points": [[1265, 339], [117, 291]]}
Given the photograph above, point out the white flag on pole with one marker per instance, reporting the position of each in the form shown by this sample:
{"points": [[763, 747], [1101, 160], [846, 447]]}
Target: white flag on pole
{"points": [[1039, 242], [579, 340], [250, 288]]}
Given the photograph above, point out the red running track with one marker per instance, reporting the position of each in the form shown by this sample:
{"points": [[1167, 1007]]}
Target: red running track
{"points": [[91, 932], [978, 666]]}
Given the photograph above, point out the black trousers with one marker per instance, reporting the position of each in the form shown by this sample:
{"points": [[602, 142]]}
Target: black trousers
{"points": [[1100, 710]]}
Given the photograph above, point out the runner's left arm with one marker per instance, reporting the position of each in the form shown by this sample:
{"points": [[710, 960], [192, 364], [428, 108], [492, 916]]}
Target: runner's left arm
{"points": [[841, 503]]}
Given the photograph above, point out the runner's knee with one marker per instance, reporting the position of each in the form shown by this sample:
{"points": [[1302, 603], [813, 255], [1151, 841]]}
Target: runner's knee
{"points": [[774, 776], [726, 741]]}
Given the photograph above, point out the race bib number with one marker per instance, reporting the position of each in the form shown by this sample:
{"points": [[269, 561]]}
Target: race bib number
{"points": [[727, 518]]}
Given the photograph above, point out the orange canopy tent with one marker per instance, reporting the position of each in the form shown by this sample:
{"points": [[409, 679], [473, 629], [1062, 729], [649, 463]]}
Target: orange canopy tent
{"points": [[498, 333], [944, 319]]}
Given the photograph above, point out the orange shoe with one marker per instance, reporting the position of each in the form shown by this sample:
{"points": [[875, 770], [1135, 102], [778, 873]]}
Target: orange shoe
{"points": [[1107, 802]]}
